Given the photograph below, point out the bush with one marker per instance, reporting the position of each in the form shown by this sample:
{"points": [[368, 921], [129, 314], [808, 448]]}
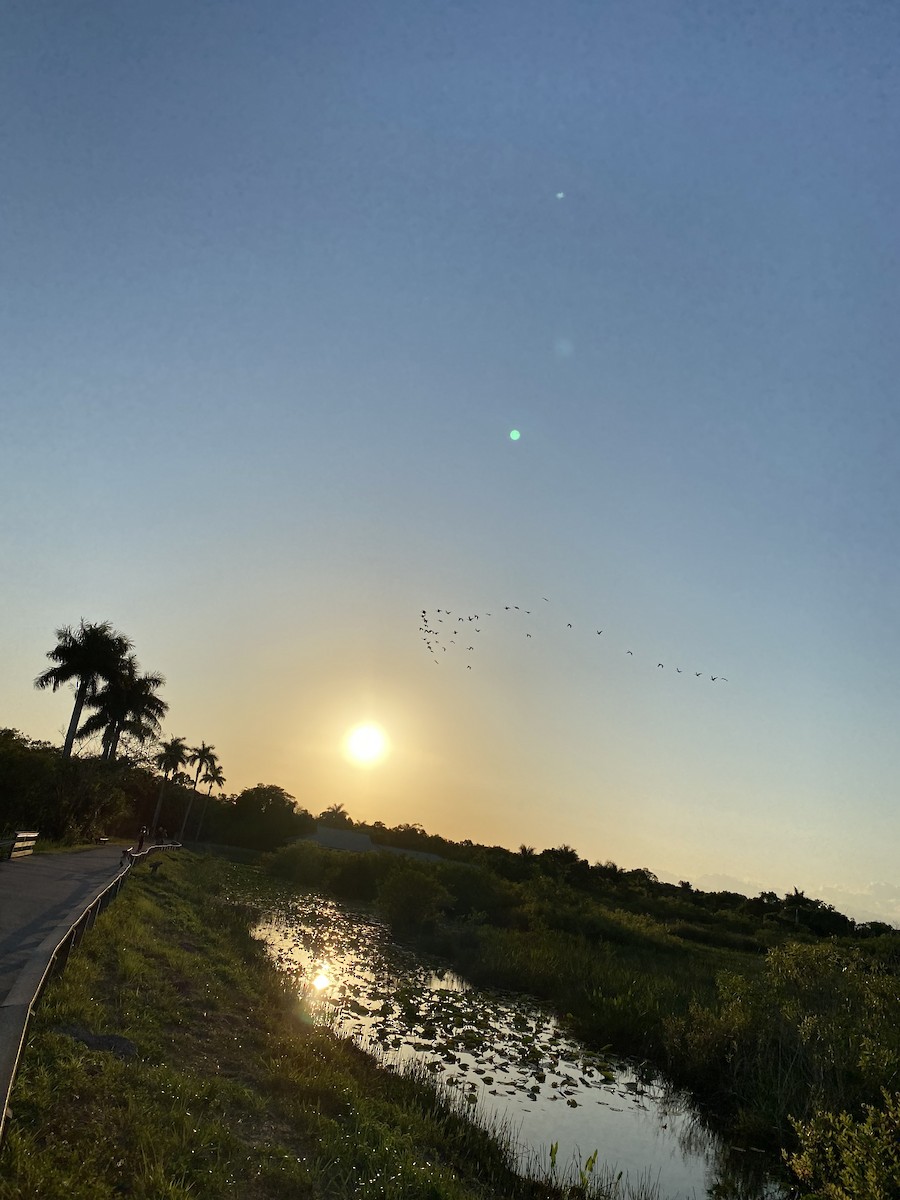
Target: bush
{"points": [[818, 1030], [846, 1159], [411, 900], [301, 862]]}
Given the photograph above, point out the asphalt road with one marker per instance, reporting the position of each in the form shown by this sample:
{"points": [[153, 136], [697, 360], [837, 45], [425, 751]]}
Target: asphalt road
{"points": [[41, 892]]}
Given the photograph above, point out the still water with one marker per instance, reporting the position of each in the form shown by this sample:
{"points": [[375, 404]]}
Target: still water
{"points": [[506, 1057]]}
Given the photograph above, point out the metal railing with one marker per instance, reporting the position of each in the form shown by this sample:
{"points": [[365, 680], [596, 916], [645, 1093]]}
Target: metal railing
{"points": [[48, 960]]}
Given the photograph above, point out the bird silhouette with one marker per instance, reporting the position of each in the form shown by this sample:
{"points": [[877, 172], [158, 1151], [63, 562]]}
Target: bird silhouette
{"points": [[434, 638]]}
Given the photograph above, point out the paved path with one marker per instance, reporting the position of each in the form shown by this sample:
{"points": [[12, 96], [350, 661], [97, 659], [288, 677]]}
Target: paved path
{"points": [[41, 896], [39, 893]]}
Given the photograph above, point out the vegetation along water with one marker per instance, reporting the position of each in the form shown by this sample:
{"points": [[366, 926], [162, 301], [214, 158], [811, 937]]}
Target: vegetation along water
{"points": [[777, 1014], [780, 1016]]}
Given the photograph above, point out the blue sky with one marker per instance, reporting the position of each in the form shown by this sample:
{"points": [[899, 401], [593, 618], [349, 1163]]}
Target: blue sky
{"points": [[279, 279]]}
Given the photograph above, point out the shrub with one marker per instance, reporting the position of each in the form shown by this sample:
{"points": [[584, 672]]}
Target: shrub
{"points": [[845, 1159], [818, 1030], [412, 900]]}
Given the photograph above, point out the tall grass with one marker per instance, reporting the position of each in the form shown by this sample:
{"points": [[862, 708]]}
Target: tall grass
{"points": [[230, 1090]]}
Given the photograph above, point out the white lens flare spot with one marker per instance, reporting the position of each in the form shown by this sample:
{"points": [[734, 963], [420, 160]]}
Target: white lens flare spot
{"points": [[321, 982], [560, 195], [365, 745]]}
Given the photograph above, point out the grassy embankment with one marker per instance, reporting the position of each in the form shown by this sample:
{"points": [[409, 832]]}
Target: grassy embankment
{"points": [[221, 1089]]}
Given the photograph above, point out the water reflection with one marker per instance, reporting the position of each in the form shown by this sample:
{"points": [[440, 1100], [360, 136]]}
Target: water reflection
{"points": [[502, 1054]]}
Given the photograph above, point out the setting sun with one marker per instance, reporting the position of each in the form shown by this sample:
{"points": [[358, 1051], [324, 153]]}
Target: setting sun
{"points": [[365, 745]]}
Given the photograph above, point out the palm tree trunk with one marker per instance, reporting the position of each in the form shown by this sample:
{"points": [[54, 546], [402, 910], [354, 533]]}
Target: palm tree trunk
{"points": [[202, 815], [187, 813], [158, 810], [80, 697]]}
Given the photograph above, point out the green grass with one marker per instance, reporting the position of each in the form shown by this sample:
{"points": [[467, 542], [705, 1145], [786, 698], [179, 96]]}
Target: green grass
{"points": [[230, 1091]]}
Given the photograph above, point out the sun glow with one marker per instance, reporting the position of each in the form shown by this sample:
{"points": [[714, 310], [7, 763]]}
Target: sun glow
{"points": [[365, 745]]}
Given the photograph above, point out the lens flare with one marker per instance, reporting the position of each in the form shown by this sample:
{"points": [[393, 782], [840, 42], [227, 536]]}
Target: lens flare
{"points": [[514, 435]]}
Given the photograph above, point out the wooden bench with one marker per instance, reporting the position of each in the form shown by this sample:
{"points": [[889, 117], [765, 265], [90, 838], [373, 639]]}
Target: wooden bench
{"points": [[19, 845]]}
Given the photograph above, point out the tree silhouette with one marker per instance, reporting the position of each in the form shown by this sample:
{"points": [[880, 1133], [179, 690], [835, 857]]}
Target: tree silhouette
{"points": [[84, 656], [126, 704], [214, 775], [170, 758], [336, 816], [204, 758]]}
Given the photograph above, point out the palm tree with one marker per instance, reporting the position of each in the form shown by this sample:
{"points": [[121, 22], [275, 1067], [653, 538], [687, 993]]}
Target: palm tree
{"points": [[170, 758], [203, 757], [335, 815], [214, 775], [128, 704], [87, 655]]}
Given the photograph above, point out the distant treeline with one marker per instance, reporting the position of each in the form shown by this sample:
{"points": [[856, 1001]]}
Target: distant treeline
{"points": [[747, 922], [78, 799]]}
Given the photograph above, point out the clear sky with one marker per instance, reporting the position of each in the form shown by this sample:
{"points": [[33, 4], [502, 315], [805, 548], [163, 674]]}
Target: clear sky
{"points": [[277, 280]]}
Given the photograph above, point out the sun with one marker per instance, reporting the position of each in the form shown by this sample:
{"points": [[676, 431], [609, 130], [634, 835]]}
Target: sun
{"points": [[365, 745]]}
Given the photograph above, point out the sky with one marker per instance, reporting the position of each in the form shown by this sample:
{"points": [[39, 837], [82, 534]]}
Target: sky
{"points": [[278, 280]]}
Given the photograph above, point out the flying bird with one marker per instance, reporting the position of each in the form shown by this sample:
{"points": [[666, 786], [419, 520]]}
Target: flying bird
{"points": [[631, 652], [660, 665], [569, 626], [697, 674]]}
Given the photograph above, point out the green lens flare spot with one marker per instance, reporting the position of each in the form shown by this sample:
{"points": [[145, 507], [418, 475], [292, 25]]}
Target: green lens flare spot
{"points": [[514, 435]]}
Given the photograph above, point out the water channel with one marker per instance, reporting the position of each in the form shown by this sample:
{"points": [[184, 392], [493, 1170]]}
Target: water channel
{"points": [[504, 1056]]}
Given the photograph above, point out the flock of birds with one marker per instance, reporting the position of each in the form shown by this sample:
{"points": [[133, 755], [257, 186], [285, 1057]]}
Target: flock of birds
{"points": [[447, 628]]}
